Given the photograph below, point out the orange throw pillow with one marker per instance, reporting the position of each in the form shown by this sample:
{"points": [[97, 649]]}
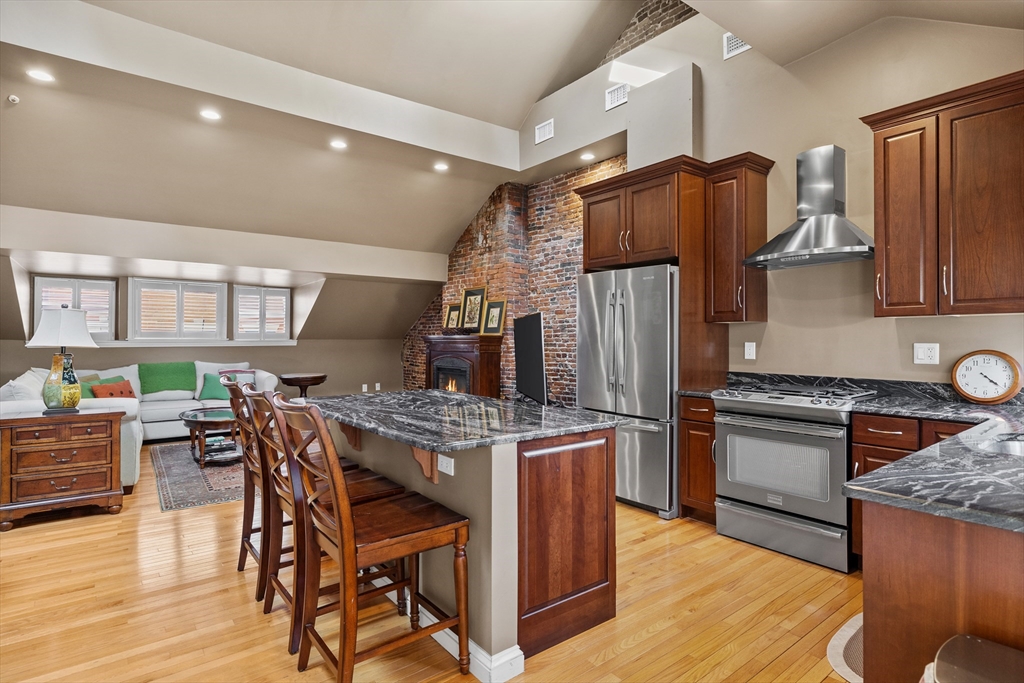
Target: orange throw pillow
{"points": [[115, 390]]}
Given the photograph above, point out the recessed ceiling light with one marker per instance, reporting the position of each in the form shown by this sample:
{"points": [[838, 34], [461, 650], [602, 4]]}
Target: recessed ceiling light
{"points": [[587, 157], [40, 75], [440, 166], [339, 144], [210, 114]]}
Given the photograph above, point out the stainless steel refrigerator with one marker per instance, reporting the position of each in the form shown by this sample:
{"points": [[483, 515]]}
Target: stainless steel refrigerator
{"points": [[626, 355]]}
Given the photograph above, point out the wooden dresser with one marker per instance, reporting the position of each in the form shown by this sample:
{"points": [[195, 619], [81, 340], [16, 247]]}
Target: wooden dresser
{"points": [[59, 461]]}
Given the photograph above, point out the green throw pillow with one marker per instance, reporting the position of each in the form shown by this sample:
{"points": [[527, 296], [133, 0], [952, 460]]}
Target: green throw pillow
{"points": [[213, 389], [156, 377], [87, 386]]}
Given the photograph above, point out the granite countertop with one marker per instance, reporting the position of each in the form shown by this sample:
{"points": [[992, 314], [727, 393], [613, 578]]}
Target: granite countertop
{"points": [[443, 421]]}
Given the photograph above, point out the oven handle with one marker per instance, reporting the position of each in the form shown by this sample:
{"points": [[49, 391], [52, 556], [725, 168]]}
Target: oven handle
{"points": [[779, 520], [779, 426]]}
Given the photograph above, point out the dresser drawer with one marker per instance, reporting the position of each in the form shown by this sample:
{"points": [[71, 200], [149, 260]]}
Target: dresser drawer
{"points": [[54, 459], [70, 484], [881, 430], [699, 409], [44, 433], [88, 430]]}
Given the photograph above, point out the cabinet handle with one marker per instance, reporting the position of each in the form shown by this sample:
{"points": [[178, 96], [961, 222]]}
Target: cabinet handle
{"points": [[945, 292], [739, 300], [713, 458], [621, 248], [63, 488], [855, 466], [73, 454], [627, 239], [699, 410], [878, 281], [882, 431]]}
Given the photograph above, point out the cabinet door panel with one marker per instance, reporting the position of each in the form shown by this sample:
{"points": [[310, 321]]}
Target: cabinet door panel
{"points": [[724, 208], [981, 206], [652, 224], [697, 465], [867, 459], [906, 246], [932, 432], [604, 229]]}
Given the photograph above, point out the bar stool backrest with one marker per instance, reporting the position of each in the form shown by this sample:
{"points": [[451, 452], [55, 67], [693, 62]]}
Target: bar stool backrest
{"points": [[307, 440], [250, 448], [271, 449]]}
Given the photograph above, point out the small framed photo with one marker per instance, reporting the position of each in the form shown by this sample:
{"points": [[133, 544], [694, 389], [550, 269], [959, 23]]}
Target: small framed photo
{"points": [[494, 317], [452, 314], [473, 308]]}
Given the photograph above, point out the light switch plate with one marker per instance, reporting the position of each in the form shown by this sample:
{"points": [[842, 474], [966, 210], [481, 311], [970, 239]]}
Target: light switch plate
{"points": [[446, 465], [926, 354], [750, 350]]}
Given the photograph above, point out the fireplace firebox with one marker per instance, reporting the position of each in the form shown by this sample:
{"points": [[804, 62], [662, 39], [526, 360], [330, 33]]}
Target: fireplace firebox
{"points": [[468, 364]]}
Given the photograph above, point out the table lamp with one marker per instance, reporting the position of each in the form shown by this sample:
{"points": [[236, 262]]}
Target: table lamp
{"points": [[62, 327]]}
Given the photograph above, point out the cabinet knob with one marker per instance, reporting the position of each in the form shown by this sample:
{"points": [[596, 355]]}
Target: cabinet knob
{"points": [[88, 430], [35, 435]]}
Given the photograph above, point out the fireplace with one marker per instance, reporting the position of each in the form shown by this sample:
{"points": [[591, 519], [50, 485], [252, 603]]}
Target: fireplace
{"points": [[452, 374], [465, 363]]}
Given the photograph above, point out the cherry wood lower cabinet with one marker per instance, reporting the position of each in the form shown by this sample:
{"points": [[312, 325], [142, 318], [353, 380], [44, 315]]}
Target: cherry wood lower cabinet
{"points": [[696, 458], [566, 537], [932, 431], [52, 462], [929, 578]]}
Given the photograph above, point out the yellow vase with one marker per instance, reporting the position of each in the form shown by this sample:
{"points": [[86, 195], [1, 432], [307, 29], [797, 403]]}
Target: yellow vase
{"points": [[62, 390]]}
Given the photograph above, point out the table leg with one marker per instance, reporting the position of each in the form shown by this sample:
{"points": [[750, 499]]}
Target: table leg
{"points": [[202, 449], [192, 439], [302, 391]]}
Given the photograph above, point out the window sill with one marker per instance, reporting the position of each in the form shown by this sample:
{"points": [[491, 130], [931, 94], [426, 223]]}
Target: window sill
{"points": [[174, 343]]}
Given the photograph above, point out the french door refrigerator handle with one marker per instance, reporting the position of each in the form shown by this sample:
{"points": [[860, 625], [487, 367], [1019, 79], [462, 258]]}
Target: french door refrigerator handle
{"points": [[610, 343], [641, 427], [621, 361]]}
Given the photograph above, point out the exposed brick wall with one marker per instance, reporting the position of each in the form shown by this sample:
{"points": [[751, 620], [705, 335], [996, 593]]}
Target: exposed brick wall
{"points": [[652, 19], [526, 245]]}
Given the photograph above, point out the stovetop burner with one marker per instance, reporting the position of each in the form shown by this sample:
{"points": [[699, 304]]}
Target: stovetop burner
{"points": [[843, 393], [824, 404]]}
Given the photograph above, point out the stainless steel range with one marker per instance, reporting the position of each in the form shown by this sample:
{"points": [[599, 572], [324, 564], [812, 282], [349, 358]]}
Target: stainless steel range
{"points": [[781, 455]]}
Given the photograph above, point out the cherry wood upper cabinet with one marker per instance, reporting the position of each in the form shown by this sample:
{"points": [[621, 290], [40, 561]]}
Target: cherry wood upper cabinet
{"points": [[949, 202], [652, 220], [604, 229], [736, 221]]}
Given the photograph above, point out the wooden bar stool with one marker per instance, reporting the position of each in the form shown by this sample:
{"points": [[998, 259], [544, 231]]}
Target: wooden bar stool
{"points": [[364, 485], [363, 536]]}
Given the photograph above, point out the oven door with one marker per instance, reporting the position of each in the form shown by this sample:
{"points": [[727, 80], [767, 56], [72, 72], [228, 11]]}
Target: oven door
{"points": [[794, 467]]}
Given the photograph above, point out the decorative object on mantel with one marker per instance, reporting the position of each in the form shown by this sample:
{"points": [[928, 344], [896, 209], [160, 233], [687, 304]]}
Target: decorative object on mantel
{"points": [[62, 327], [494, 317], [452, 313], [988, 377], [472, 308]]}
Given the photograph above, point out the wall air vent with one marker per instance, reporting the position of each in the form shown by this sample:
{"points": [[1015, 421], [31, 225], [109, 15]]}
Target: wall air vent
{"points": [[732, 46], [615, 96], [544, 131]]}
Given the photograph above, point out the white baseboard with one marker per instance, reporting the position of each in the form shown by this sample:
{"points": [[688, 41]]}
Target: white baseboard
{"points": [[488, 668]]}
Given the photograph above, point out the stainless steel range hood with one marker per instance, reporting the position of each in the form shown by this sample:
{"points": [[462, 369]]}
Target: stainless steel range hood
{"points": [[822, 232]]}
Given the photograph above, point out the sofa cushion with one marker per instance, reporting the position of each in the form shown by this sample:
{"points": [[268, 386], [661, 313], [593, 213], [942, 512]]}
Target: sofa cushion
{"points": [[202, 368], [213, 389], [18, 390], [129, 372], [87, 391], [129, 406], [121, 389], [160, 377], [163, 411], [33, 382], [171, 395], [216, 403]]}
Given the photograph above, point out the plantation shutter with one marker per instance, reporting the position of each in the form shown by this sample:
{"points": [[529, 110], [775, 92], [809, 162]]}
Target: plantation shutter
{"points": [[178, 310], [95, 297], [276, 312], [247, 312], [262, 313], [200, 311]]}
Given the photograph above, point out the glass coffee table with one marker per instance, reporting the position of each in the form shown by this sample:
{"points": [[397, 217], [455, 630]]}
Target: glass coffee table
{"points": [[202, 421]]}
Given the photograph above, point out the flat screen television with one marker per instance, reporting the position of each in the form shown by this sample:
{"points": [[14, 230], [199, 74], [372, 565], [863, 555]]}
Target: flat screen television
{"points": [[531, 380]]}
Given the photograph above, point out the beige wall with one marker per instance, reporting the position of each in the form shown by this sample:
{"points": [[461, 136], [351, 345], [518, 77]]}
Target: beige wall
{"points": [[348, 363], [821, 318]]}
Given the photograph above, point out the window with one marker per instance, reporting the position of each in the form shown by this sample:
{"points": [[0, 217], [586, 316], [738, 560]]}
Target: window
{"points": [[168, 309], [95, 297], [262, 313]]}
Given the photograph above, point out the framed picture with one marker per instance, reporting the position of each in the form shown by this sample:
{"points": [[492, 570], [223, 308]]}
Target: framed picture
{"points": [[494, 317], [473, 308], [451, 315]]}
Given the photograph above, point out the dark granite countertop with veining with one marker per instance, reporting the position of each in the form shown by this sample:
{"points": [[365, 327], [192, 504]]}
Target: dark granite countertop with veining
{"points": [[443, 421], [960, 478]]}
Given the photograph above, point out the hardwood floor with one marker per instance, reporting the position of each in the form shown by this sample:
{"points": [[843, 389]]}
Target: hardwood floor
{"points": [[147, 595]]}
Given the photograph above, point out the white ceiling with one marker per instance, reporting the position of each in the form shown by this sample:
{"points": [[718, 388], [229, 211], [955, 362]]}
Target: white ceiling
{"points": [[490, 60], [786, 30]]}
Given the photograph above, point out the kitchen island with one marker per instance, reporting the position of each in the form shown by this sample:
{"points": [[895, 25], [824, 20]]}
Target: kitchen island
{"points": [[538, 485]]}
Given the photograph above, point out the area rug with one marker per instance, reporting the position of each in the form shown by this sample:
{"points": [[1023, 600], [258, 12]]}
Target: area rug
{"points": [[846, 650], [181, 484]]}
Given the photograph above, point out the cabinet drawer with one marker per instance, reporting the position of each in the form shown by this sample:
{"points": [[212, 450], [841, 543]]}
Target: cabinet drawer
{"points": [[60, 458], [44, 433], [89, 430], [699, 409], [932, 432], [879, 430], [44, 486]]}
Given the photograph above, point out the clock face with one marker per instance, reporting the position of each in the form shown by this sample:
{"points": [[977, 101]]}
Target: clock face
{"points": [[986, 377]]}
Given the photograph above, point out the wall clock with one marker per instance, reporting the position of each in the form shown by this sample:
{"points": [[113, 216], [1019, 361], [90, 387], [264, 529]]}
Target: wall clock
{"points": [[988, 377]]}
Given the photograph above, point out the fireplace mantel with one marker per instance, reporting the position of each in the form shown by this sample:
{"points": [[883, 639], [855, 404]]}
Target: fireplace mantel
{"points": [[481, 352]]}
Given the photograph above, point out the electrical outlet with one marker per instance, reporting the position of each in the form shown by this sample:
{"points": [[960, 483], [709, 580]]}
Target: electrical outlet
{"points": [[376, 387], [926, 354], [750, 350], [364, 388], [446, 465]]}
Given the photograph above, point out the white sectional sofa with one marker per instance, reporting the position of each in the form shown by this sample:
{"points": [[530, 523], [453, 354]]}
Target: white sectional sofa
{"points": [[152, 416]]}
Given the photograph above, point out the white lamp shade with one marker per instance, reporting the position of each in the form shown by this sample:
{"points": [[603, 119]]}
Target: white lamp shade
{"points": [[62, 327]]}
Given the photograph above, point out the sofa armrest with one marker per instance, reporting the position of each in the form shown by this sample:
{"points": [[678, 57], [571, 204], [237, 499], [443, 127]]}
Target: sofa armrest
{"points": [[264, 380]]}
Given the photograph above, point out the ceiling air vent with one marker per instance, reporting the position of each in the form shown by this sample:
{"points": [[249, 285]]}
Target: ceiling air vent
{"points": [[732, 46], [544, 131], [613, 97]]}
